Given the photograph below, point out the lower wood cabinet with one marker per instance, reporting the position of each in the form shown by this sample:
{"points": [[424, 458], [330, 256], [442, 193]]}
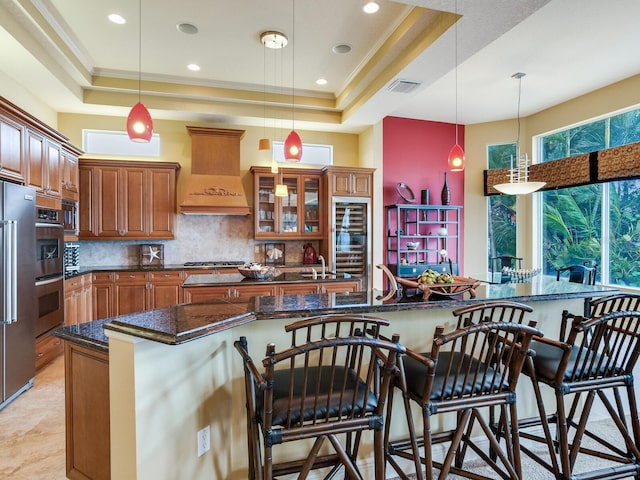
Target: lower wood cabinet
{"points": [[339, 287], [78, 300], [202, 294], [120, 293], [325, 287], [130, 292], [166, 288], [48, 347], [88, 440], [297, 288], [103, 292]]}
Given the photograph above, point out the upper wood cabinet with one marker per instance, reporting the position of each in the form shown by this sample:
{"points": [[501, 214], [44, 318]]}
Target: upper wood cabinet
{"points": [[12, 162], [126, 200], [350, 181], [298, 215], [45, 161], [34, 154], [70, 180]]}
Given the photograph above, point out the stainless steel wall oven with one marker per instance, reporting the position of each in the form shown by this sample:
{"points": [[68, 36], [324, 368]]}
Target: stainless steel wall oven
{"points": [[49, 269]]}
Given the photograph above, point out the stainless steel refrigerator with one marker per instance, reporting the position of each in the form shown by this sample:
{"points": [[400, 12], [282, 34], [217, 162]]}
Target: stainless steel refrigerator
{"points": [[17, 301]]}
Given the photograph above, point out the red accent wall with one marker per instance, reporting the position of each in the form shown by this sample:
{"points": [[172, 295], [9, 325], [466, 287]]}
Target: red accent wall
{"points": [[415, 152]]}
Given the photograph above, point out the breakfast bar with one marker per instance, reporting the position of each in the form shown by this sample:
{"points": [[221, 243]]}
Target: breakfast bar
{"points": [[173, 371]]}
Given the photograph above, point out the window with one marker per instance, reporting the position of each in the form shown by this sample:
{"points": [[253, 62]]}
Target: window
{"points": [[599, 222], [502, 208]]}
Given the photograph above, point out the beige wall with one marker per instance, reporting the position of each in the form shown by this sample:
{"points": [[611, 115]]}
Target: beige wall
{"points": [[175, 143], [616, 97], [17, 95]]}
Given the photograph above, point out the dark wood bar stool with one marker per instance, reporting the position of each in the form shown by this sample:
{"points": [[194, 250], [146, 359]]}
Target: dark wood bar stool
{"points": [[329, 386], [618, 302], [597, 359], [470, 370], [494, 311]]}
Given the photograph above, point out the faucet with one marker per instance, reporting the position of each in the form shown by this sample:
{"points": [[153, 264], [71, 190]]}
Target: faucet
{"points": [[324, 266]]}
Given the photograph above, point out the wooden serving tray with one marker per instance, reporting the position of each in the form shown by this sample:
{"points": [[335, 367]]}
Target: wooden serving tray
{"points": [[460, 286]]}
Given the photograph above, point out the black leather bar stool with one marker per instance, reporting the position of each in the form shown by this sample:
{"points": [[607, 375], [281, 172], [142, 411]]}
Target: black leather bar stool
{"points": [[595, 362], [469, 370], [329, 387]]}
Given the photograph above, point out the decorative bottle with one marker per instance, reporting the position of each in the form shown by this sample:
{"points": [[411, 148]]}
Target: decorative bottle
{"points": [[445, 196]]}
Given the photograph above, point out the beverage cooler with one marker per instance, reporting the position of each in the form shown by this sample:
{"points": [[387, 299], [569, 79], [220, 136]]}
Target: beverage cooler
{"points": [[350, 247]]}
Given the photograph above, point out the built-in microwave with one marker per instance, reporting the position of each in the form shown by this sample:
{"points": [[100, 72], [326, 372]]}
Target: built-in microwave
{"points": [[70, 217]]}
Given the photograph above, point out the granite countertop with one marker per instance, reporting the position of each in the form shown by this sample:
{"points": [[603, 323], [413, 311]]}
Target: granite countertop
{"points": [[211, 280], [185, 322], [179, 266]]}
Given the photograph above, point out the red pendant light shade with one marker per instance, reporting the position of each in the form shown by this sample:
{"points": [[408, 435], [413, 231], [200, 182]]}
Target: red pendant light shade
{"points": [[139, 124], [456, 158], [293, 147]]}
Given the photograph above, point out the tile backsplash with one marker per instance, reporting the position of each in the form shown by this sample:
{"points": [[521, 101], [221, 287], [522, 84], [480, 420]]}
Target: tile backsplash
{"points": [[197, 238]]}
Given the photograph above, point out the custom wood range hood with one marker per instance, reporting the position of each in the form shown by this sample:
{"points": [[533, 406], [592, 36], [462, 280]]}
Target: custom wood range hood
{"points": [[215, 186]]}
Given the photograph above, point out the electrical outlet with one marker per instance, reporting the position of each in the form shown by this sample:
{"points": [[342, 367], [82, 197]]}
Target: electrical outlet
{"points": [[204, 440]]}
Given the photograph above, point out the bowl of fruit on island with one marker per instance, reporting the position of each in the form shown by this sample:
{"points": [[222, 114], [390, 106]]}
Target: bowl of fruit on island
{"points": [[431, 283]]}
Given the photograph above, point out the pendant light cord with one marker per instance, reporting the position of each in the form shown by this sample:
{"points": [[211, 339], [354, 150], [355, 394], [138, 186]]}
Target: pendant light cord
{"points": [[264, 90], [456, 66], [293, 64], [139, 50], [519, 97]]}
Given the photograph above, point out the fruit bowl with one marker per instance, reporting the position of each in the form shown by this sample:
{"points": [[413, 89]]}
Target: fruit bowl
{"points": [[256, 271]]}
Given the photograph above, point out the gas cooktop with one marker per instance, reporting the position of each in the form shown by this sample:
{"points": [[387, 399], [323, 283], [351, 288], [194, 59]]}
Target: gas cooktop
{"points": [[215, 263]]}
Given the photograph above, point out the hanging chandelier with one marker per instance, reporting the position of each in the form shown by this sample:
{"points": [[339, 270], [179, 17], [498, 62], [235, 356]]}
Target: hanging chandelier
{"points": [[519, 183]]}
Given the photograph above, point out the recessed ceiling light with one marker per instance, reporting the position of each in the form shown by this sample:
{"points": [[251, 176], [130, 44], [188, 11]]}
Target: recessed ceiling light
{"points": [[342, 48], [371, 7], [193, 67], [188, 28], [118, 19], [321, 81]]}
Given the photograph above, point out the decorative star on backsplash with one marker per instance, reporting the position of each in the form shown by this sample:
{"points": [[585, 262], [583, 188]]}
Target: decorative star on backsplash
{"points": [[153, 253]]}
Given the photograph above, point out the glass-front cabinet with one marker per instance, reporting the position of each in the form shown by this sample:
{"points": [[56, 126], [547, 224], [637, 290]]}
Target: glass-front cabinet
{"points": [[294, 213]]}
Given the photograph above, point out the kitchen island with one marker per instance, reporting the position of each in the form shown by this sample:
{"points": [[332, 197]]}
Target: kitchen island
{"points": [[174, 371]]}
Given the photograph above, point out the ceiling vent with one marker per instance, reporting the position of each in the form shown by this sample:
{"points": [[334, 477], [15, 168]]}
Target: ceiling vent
{"points": [[403, 86]]}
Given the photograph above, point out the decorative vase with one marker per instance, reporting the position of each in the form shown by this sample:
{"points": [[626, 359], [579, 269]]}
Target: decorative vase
{"points": [[445, 196]]}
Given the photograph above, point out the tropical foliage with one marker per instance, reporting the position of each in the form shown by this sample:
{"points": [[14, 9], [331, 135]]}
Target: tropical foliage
{"points": [[502, 208], [575, 230]]}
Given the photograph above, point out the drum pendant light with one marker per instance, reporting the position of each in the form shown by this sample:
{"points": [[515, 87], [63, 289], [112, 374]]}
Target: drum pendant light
{"points": [[456, 157], [519, 183], [293, 143], [139, 123]]}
